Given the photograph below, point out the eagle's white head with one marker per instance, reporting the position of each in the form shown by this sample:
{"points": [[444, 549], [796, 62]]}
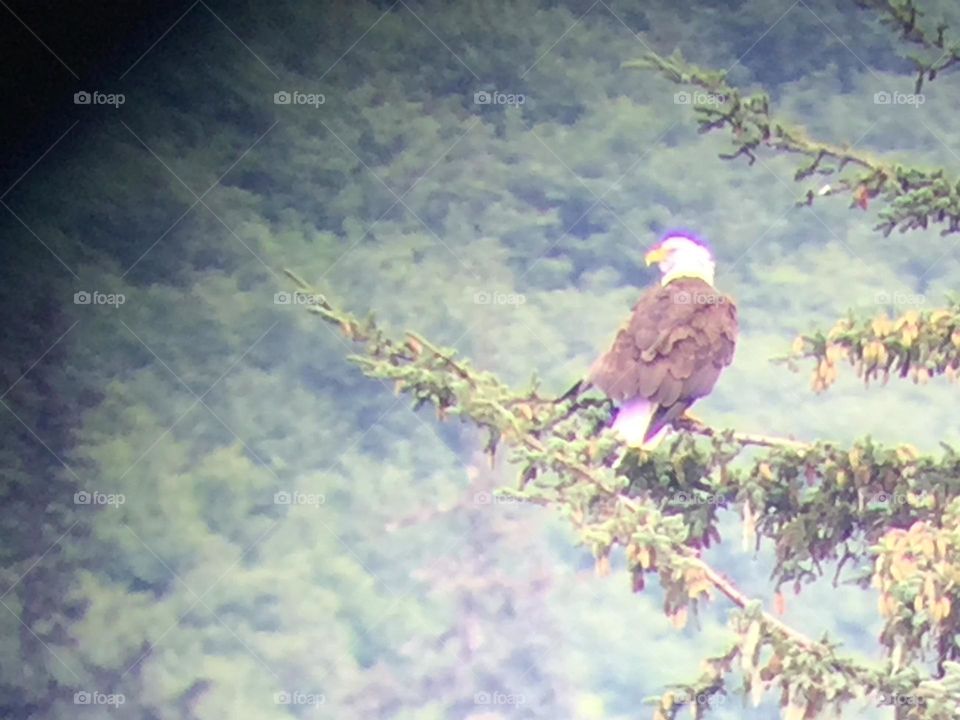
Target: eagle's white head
{"points": [[680, 255]]}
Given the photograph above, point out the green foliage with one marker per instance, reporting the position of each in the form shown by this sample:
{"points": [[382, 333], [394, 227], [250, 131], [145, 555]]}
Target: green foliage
{"points": [[816, 504], [914, 197], [919, 345], [400, 587]]}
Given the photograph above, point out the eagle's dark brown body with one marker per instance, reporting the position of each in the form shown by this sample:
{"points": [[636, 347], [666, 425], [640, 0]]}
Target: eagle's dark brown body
{"points": [[671, 352]]}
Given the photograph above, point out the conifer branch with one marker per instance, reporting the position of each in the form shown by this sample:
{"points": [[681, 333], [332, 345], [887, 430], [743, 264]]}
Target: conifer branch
{"points": [[905, 18], [569, 460], [912, 197], [918, 345]]}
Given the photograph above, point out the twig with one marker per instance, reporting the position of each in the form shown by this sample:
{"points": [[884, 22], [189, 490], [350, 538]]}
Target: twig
{"points": [[697, 427], [446, 358], [736, 596]]}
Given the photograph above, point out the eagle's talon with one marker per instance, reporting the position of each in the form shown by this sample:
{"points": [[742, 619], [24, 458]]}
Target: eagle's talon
{"points": [[688, 421]]}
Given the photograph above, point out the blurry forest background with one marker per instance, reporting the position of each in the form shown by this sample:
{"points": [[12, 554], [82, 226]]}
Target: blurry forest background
{"points": [[294, 541]]}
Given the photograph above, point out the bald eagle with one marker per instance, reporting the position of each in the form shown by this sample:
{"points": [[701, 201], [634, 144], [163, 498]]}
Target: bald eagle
{"points": [[670, 353]]}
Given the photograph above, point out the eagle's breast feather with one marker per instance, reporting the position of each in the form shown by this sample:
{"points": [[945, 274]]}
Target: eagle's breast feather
{"points": [[672, 350]]}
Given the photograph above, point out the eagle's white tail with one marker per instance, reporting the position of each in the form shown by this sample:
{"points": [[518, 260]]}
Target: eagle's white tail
{"points": [[632, 421]]}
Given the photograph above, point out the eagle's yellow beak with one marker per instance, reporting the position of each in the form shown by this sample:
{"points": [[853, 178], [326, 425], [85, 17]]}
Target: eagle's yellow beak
{"points": [[658, 254]]}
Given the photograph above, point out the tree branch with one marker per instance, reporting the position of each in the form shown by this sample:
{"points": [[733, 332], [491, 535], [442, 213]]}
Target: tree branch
{"points": [[913, 197], [570, 459], [918, 344], [905, 18]]}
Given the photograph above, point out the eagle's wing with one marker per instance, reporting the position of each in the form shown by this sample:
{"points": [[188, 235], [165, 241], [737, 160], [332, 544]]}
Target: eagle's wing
{"points": [[672, 350]]}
